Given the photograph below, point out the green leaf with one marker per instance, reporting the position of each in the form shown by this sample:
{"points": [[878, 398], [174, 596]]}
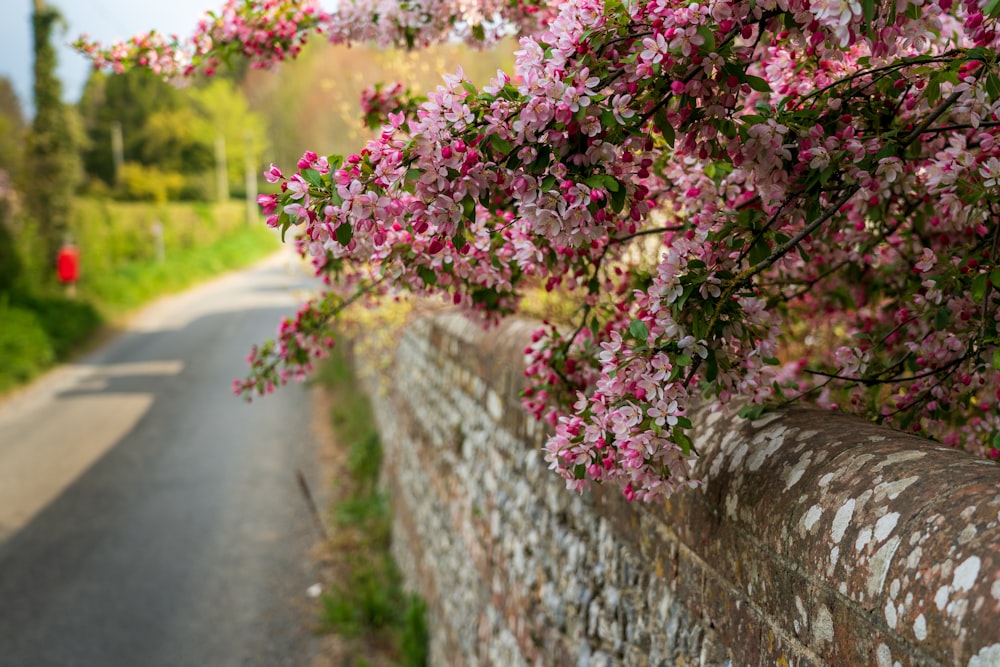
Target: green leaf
{"points": [[685, 295], [933, 90], [344, 234], [802, 253], [580, 471], [611, 183], [889, 150], [757, 83], [868, 10], [706, 34], [941, 318], [683, 441], [684, 422], [751, 412], [478, 32], [618, 201], [978, 288], [541, 162], [663, 125], [996, 359], [907, 419], [682, 360], [501, 145], [427, 275], [469, 207], [995, 277], [639, 330], [312, 177], [711, 367], [759, 252], [992, 9], [992, 85]]}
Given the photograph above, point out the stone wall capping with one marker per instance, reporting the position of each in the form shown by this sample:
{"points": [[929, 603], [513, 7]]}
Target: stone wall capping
{"points": [[816, 538]]}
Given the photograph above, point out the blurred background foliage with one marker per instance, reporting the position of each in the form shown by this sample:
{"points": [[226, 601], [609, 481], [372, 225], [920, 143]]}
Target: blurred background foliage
{"points": [[313, 103], [169, 138]]}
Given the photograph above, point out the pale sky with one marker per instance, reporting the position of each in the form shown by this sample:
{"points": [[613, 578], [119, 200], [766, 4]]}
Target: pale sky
{"points": [[105, 20]]}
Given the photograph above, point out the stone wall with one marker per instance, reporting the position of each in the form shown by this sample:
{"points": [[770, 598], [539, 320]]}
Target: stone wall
{"points": [[817, 539]]}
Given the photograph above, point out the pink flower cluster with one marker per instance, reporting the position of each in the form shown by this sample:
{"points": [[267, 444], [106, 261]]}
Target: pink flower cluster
{"points": [[755, 202], [378, 101], [267, 32]]}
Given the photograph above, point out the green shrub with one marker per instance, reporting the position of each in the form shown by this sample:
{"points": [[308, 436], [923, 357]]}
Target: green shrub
{"points": [[10, 260], [66, 322], [364, 461], [142, 183], [370, 600], [24, 346], [415, 642]]}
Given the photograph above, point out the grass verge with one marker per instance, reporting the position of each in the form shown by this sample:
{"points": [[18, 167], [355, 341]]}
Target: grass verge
{"points": [[366, 605], [137, 283]]}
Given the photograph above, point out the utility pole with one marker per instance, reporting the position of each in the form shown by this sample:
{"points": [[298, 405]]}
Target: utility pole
{"points": [[250, 178], [117, 148], [221, 172]]}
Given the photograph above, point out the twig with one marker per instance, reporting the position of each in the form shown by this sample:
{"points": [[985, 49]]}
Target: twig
{"points": [[311, 504]]}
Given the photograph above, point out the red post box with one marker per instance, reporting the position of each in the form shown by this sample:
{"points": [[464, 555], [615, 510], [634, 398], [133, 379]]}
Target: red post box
{"points": [[68, 264]]}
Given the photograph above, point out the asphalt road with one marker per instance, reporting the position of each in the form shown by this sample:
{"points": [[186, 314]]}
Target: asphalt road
{"points": [[149, 518]]}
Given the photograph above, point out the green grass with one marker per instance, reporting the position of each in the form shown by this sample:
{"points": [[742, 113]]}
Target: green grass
{"points": [[25, 349], [368, 602], [66, 322], [137, 283]]}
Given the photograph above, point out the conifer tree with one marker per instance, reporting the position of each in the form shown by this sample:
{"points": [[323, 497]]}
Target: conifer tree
{"points": [[51, 165]]}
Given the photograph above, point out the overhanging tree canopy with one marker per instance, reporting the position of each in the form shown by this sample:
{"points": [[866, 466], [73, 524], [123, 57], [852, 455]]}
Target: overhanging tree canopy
{"points": [[751, 201]]}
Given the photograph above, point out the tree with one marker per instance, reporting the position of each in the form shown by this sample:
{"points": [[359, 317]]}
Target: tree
{"points": [[130, 101], [11, 146], [751, 201], [51, 166], [11, 138], [11, 128], [226, 114], [164, 128]]}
